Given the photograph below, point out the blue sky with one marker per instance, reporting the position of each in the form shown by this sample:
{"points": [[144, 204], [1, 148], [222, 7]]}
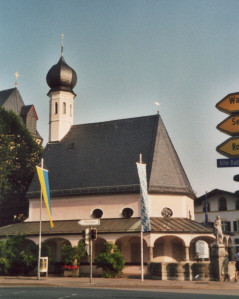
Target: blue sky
{"points": [[128, 54]]}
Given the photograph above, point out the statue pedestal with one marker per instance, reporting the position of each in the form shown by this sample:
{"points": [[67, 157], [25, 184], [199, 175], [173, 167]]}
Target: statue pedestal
{"points": [[219, 263]]}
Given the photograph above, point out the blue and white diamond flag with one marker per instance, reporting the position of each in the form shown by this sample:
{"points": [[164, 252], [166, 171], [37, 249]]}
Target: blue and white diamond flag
{"points": [[145, 221]]}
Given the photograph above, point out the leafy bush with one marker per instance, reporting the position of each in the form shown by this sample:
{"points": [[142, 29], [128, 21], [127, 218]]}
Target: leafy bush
{"points": [[19, 256], [110, 260], [72, 254]]}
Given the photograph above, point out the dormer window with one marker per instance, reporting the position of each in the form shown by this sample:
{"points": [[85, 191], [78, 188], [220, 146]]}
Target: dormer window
{"points": [[72, 145]]}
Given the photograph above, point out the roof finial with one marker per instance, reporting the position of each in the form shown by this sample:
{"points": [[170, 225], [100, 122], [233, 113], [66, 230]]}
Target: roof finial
{"points": [[62, 44], [16, 75], [157, 104]]}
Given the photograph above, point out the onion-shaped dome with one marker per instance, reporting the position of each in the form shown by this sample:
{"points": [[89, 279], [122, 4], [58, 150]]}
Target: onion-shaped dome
{"points": [[61, 77]]}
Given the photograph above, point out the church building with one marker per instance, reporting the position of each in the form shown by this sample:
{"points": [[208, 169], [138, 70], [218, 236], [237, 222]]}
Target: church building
{"points": [[93, 174], [10, 99]]}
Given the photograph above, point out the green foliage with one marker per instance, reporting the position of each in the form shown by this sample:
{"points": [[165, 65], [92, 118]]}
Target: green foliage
{"points": [[72, 254], [19, 154], [110, 260], [19, 256]]}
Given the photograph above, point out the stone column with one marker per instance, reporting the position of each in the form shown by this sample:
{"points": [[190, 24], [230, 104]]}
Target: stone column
{"points": [[219, 263], [187, 253], [151, 253]]}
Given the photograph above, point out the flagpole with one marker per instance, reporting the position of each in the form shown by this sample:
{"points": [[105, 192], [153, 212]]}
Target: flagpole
{"points": [[39, 253], [141, 234], [206, 208]]}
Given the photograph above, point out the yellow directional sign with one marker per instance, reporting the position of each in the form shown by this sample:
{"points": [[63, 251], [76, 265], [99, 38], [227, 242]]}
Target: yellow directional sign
{"points": [[229, 104], [229, 148], [230, 125]]}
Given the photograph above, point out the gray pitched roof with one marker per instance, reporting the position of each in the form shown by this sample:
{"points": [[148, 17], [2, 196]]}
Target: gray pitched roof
{"points": [[11, 99], [104, 155], [116, 225]]}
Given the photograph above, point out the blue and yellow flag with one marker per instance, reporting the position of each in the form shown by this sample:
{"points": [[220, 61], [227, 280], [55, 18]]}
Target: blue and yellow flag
{"points": [[45, 189]]}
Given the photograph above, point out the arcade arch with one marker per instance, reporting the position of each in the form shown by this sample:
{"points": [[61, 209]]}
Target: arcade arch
{"points": [[169, 249], [130, 247]]}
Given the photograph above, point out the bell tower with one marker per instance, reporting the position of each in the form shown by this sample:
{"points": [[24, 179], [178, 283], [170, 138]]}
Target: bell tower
{"points": [[61, 79]]}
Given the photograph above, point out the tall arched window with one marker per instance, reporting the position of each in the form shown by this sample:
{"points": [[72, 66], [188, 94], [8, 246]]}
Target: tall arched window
{"points": [[222, 204], [64, 108], [70, 110], [56, 107]]}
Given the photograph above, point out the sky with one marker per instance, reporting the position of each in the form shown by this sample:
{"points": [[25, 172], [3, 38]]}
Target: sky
{"points": [[129, 54]]}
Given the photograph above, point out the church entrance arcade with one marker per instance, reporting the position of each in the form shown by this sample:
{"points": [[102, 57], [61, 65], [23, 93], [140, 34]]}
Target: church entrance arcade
{"points": [[55, 259]]}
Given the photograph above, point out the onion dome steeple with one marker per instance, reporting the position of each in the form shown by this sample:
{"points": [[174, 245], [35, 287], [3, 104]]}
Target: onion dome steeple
{"points": [[61, 76]]}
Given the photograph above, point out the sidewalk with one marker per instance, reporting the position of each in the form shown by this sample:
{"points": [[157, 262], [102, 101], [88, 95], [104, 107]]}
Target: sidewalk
{"points": [[117, 283]]}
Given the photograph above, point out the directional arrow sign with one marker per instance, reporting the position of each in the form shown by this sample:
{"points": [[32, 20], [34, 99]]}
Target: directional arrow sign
{"points": [[230, 125], [229, 148], [229, 104], [88, 222]]}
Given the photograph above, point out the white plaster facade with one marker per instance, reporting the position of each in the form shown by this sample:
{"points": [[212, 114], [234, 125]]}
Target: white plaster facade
{"points": [[229, 214], [111, 205]]}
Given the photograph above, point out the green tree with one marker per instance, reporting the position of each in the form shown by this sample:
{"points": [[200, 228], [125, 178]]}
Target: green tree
{"points": [[110, 260], [19, 256], [19, 154]]}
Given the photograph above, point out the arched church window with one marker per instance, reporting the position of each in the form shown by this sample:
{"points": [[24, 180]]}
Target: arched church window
{"points": [[64, 108], [70, 110], [56, 107], [97, 213], [237, 204], [222, 204], [127, 212]]}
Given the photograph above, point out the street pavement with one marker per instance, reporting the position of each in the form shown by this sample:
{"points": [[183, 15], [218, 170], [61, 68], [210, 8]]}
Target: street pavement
{"points": [[115, 283]]}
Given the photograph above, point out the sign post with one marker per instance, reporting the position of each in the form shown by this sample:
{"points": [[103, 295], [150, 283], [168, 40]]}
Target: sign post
{"points": [[229, 104], [229, 148]]}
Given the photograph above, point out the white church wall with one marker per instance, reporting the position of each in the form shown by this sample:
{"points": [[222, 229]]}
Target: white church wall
{"points": [[181, 206], [82, 207]]}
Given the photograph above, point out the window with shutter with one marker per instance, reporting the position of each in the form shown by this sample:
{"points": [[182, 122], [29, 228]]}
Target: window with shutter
{"points": [[237, 204], [235, 226], [222, 204]]}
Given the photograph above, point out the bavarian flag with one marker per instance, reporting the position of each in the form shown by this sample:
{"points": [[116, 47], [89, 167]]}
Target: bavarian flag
{"points": [[45, 189], [145, 220]]}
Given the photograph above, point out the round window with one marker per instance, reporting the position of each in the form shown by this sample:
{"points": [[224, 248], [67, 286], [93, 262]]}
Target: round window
{"points": [[127, 212], [166, 212], [97, 213]]}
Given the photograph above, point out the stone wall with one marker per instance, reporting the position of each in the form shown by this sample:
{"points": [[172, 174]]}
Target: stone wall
{"points": [[201, 271]]}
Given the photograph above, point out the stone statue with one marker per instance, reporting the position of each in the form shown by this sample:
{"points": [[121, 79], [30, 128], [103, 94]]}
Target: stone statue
{"points": [[218, 230]]}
